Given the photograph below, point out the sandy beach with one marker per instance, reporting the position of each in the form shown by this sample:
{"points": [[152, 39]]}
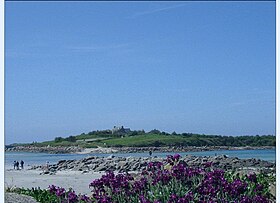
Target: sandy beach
{"points": [[32, 178], [97, 150]]}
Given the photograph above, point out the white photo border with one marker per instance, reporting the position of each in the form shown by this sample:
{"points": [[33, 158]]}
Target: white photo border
{"points": [[2, 81]]}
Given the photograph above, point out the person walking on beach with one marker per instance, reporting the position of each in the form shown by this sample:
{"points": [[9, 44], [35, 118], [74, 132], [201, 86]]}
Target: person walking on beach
{"points": [[15, 164], [150, 153], [47, 166], [21, 164]]}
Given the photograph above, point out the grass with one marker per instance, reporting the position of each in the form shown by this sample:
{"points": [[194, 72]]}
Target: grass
{"points": [[161, 140], [155, 140]]}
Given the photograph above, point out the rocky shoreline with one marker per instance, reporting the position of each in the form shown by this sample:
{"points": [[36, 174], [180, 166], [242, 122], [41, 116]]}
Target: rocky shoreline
{"points": [[185, 149], [77, 149], [137, 164], [45, 149]]}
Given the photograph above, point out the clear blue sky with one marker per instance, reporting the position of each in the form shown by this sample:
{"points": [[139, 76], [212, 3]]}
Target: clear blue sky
{"points": [[201, 67]]}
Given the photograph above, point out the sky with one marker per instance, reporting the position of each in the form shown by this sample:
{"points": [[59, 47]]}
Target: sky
{"points": [[199, 67]]}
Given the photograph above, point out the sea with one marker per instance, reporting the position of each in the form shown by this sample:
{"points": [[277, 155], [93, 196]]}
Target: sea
{"points": [[31, 158]]}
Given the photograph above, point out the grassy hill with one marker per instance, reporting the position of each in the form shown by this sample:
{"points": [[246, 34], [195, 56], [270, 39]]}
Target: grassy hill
{"points": [[156, 138]]}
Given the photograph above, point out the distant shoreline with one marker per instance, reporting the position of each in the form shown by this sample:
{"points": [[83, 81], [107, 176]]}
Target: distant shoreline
{"points": [[104, 150]]}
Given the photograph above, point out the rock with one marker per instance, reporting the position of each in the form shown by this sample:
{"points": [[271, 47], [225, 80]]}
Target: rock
{"points": [[45, 173], [60, 162], [111, 157], [102, 167], [18, 198], [123, 164]]}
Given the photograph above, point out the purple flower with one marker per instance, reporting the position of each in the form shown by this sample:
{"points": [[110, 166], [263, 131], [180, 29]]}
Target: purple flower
{"points": [[260, 199], [60, 192], [170, 160], [105, 199], [84, 198], [259, 187], [140, 185], [52, 189], [143, 199], [207, 164], [245, 199], [252, 177], [176, 157], [238, 187], [72, 197], [189, 196], [173, 198]]}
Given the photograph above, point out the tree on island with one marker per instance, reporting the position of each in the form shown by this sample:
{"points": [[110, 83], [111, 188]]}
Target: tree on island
{"points": [[71, 139], [58, 139]]}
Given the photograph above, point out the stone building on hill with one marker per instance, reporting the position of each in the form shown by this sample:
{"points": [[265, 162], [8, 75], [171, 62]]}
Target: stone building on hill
{"points": [[120, 130]]}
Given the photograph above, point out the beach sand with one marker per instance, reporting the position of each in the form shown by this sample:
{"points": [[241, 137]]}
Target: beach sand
{"points": [[97, 150], [67, 179]]}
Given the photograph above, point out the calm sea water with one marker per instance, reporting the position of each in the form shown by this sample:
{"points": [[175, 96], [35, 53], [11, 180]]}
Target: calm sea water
{"points": [[41, 158]]}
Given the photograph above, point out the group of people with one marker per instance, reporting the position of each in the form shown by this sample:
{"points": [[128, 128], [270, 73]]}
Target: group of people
{"points": [[16, 164]]}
